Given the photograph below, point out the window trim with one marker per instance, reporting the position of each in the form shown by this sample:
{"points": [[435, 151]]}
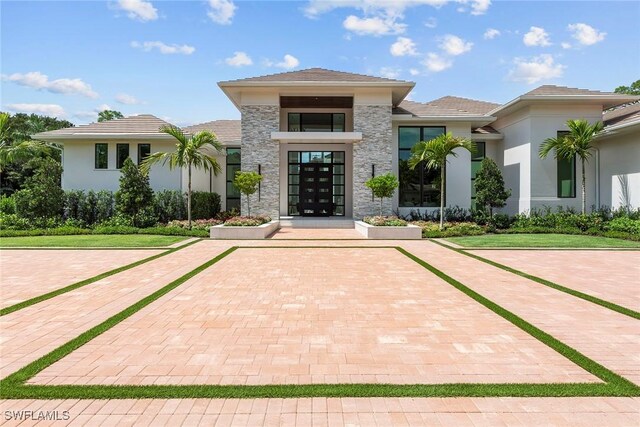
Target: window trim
{"points": [[140, 159], [95, 155]]}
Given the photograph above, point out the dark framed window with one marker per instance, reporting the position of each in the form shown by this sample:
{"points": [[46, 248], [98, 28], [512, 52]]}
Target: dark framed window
{"points": [[122, 153], [419, 187], [566, 175], [143, 152], [233, 165], [316, 122], [101, 156], [476, 160], [336, 161]]}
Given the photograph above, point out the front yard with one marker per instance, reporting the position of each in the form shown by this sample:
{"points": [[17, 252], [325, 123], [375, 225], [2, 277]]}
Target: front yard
{"points": [[541, 241], [93, 240]]}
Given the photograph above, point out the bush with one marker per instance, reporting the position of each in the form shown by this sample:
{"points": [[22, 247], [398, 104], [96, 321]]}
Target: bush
{"points": [[385, 221], [199, 224], [246, 221], [170, 205], [135, 196], [41, 196], [624, 225], [225, 215], [432, 229], [13, 222], [204, 205], [7, 205], [104, 206], [500, 221], [451, 214], [174, 231]]}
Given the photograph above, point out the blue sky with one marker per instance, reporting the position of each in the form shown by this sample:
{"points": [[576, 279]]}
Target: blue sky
{"points": [[73, 58]]}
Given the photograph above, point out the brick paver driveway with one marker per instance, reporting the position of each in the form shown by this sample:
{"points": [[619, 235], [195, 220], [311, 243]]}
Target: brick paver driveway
{"points": [[287, 312]]}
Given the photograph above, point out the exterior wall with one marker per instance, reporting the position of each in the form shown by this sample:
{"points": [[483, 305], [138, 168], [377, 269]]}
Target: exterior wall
{"points": [[80, 173], [376, 148], [620, 170], [258, 121]]}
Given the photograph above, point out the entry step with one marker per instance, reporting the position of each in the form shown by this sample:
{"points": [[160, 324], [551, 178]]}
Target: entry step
{"points": [[316, 222]]}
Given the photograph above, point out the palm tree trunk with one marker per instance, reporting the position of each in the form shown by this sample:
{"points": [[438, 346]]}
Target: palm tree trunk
{"points": [[189, 198], [442, 187], [584, 190]]}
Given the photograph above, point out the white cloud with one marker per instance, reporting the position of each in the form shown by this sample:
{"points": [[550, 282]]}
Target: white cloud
{"points": [[565, 45], [46, 109], [436, 63], [454, 45], [221, 11], [239, 59], [403, 46], [163, 48], [586, 34], [102, 107], [414, 71], [375, 26], [542, 67], [536, 36], [390, 72], [289, 62], [138, 9], [316, 8], [37, 80], [431, 22], [480, 7], [126, 99], [491, 34]]}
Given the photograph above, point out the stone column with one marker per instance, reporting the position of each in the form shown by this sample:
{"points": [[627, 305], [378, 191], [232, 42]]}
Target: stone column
{"points": [[374, 121], [258, 121]]}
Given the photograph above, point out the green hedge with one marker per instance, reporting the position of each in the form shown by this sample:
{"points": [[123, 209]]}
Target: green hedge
{"points": [[68, 231]]}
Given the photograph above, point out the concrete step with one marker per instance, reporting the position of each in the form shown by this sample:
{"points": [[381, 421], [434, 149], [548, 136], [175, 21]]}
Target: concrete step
{"points": [[316, 222]]}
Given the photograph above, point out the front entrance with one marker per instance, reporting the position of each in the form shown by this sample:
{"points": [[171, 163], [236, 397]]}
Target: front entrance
{"points": [[316, 189]]}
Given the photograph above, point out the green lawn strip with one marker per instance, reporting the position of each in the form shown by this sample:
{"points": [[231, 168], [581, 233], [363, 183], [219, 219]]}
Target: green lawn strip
{"points": [[91, 240], [14, 386], [570, 353], [607, 304], [24, 304], [542, 241]]}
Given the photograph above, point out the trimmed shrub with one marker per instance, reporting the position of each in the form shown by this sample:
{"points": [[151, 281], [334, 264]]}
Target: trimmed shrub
{"points": [[41, 196], [104, 205], [624, 225], [385, 221], [204, 205], [7, 205], [246, 221], [432, 229], [135, 196], [170, 205]]}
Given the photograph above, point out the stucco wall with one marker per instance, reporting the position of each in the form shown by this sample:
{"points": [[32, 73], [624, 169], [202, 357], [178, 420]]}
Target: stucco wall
{"points": [[80, 173], [620, 170]]}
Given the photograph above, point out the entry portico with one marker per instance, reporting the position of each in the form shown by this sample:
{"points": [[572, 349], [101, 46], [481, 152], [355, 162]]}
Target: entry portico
{"points": [[316, 136]]}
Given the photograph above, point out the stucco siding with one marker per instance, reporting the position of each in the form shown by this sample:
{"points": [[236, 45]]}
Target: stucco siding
{"points": [[620, 170]]}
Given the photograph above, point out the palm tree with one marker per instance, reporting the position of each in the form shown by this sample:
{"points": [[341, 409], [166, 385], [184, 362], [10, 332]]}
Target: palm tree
{"points": [[433, 155], [16, 151], [577, 143], [192, 151]]}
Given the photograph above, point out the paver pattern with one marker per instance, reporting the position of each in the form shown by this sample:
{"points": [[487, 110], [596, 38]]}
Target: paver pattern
{"points": [[610, 275], [603, 335], [27, 274], [385, 412], [301, 316], [315, 233], [34, 331]]}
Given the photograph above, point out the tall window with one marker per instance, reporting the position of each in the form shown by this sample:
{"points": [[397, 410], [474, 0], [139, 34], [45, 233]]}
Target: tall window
{"points": [[122, 153], [233, 165], [316, 122], [102, 156], [143, 152], [566, 174], [476, 160], [419, 187]]}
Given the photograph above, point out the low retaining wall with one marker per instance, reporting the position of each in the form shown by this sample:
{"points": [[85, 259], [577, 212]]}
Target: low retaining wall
{"points": [[244, 233], [409, 232]]}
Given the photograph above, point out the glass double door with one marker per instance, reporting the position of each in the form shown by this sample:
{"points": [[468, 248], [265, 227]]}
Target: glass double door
{"points": [[316, 189]]}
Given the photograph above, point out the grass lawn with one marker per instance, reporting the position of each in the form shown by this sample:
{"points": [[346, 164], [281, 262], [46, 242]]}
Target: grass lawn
{"points": [[93, 240], [541, 241]]}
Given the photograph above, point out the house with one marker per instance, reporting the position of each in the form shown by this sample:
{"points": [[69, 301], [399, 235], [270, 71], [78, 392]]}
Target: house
{"points": [[317, 135]]}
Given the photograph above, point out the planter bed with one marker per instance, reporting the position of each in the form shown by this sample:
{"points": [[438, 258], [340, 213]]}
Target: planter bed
{"points": [[407, 232], [244, 233]]}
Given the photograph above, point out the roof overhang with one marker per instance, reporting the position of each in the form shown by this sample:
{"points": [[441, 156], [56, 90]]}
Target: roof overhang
{"points": [[102, 137], [317, 137], [399, 90], [477, 121], [619, 129], [607, 101]]}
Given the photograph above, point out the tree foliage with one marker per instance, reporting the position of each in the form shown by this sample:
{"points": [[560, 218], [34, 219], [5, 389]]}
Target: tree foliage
{"points": [[41, 197], [632, 89], [134, 199], [433, 154], [247, 183], [106, 115], [489, 185], [577, 143], [383, 186]]}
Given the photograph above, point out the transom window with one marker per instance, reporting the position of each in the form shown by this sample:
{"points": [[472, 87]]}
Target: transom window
{"points": [[316, 122]]}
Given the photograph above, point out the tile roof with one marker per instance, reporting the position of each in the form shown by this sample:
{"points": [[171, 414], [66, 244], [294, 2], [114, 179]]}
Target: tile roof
{"points": [[622, 115], [141, 124], [547, 90], [317, 75], [227, 131], [446, 106]]}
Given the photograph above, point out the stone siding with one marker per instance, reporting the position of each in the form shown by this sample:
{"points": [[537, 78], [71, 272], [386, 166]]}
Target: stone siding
{"points": [[376, 148], [258, 121]]}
